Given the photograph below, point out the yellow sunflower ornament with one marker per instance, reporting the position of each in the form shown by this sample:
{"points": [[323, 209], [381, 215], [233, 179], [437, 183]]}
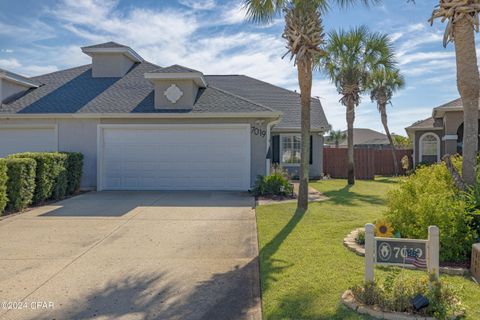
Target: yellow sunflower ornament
{"points": [[383, 229]]}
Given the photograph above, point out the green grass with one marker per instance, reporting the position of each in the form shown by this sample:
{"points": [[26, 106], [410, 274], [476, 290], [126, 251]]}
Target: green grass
{"points": [[305, 267]]}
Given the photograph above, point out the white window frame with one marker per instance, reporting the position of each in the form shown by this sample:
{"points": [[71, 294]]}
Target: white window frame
{"points": [[420, 145], [288, 164]]}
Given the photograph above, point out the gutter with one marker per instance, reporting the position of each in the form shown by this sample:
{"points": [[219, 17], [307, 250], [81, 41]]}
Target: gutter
{"points": [[140, 115]]}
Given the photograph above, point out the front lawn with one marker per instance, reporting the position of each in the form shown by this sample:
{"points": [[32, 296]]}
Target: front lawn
{"points": [[305, 267]]}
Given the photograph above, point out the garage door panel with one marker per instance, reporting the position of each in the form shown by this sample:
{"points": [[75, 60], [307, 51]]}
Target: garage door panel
{"points": [[202, 158], [14, 140]]}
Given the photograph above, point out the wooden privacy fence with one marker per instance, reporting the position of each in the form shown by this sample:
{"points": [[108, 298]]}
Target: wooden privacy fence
{"points": [[368, 162]]}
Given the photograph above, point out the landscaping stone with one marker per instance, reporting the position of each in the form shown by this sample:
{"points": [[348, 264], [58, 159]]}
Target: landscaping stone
{"points": [[350, 243], [349, 301]]}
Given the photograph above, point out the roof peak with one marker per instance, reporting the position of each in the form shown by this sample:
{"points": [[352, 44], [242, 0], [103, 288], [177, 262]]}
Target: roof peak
{"points": [[175, 68]]}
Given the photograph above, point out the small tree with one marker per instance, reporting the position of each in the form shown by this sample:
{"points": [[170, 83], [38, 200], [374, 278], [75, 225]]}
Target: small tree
{"points": [[383, 84], [350, 59], [336, 136]]}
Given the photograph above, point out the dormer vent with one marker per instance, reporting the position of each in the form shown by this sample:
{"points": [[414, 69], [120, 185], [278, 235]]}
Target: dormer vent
{"points": [[176, 87], [111, 59]]}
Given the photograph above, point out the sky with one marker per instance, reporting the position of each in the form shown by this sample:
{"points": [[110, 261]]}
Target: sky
{"points": [[212, 36]]}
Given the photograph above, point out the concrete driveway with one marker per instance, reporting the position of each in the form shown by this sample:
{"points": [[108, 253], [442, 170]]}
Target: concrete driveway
{"points": [[132, 255]]}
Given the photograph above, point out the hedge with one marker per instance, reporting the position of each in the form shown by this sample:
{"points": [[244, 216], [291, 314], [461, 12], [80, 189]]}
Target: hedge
{"points": [[21, 183], [3, 184], [50, 177], [74, 171]]}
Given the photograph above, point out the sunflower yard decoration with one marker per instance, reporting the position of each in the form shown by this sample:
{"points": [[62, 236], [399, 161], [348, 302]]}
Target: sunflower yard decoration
{"points": [[383, 229]]}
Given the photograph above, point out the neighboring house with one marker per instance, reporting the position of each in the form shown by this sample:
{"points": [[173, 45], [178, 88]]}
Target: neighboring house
{"points": [[363, 137], [440, 134], [141, 126]]}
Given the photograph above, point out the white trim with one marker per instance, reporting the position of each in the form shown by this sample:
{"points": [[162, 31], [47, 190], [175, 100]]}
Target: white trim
{"points": [[297, 130], [18, 81], [157, 115], [102, 127], [280, 150], [195, 76], [127, 51], [420, 145], [450, 137]]}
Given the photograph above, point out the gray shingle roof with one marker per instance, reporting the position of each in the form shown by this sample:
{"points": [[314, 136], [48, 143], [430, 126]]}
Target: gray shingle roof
{"points": [[109, 44], [274, 97], [365, 136], [75, 91], [426, 123], [451, 104], [176, 68]]}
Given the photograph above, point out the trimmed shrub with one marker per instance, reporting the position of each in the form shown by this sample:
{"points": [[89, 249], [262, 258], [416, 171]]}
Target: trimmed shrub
{"points": [[275, 184], [50, 176], [429, 197], [74, 171], [60, 176], [3, 185], [21, 183]]}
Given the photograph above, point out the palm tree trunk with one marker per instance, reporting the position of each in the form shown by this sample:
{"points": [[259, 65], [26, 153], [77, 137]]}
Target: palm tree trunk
{"points": [[468, 84], [351, 161], [383, 115], [304, 67]]}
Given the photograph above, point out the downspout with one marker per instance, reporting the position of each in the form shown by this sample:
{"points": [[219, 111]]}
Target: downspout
{"points": [[269, 128]]}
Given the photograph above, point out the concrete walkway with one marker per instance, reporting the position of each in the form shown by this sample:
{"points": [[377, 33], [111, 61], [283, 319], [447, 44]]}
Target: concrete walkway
{"points": [[132, 255]]}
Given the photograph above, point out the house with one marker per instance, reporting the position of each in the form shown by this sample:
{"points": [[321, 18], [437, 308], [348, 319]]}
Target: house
{"points": [[440, 134], [141, 126], [366, 138]]}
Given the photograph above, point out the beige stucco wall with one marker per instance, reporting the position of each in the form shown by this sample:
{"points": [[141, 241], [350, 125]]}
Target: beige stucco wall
{"points": [[110, 65], [8, 88], [316, 168], [418, 134], [188, 88], [80, 135]]}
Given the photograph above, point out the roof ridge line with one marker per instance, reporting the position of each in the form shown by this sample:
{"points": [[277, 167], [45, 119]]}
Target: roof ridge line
{"points": [[242, 98], [276, 86]]}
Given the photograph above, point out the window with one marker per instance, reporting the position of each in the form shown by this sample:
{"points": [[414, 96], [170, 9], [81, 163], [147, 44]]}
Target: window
{"points": [[429, 148], [290, 147]]}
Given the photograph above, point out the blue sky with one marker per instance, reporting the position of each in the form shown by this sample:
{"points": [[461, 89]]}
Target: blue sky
{"points": [[212, 36]]}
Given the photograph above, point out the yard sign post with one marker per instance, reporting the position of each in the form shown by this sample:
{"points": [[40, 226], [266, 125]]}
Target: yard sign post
{"points": [[401, 252]]}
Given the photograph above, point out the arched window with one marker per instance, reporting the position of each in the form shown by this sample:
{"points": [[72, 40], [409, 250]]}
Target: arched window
{"points": [[429, 148]]}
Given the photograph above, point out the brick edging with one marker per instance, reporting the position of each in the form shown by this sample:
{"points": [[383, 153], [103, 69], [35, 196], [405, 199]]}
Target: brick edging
{"points": [[350, 244]]}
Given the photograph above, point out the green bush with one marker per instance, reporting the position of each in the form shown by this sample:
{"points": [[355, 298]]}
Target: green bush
{"points": [[275, 184], [360, 238], [74, 171], [60, 176], [21, 183], [429, 197], [3, 185], [395, 292], [50, 176]]}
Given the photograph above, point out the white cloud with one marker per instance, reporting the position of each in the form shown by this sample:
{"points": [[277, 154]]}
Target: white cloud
{"points": [[9, 64], [234, 15], [199, 5]]}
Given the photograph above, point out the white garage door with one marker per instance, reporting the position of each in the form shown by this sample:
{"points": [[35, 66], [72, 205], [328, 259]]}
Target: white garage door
{"points": [[205, 157], [23, 139]]}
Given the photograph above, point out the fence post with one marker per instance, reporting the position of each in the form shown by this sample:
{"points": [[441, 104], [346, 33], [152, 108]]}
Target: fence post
{"points": [[369, 252], [433, 250]]}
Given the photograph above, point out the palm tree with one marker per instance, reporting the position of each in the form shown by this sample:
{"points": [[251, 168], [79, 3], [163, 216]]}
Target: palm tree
{"points": [[304, 35], [463, 19], [349, 60], [336, 136], [383, 84]]}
